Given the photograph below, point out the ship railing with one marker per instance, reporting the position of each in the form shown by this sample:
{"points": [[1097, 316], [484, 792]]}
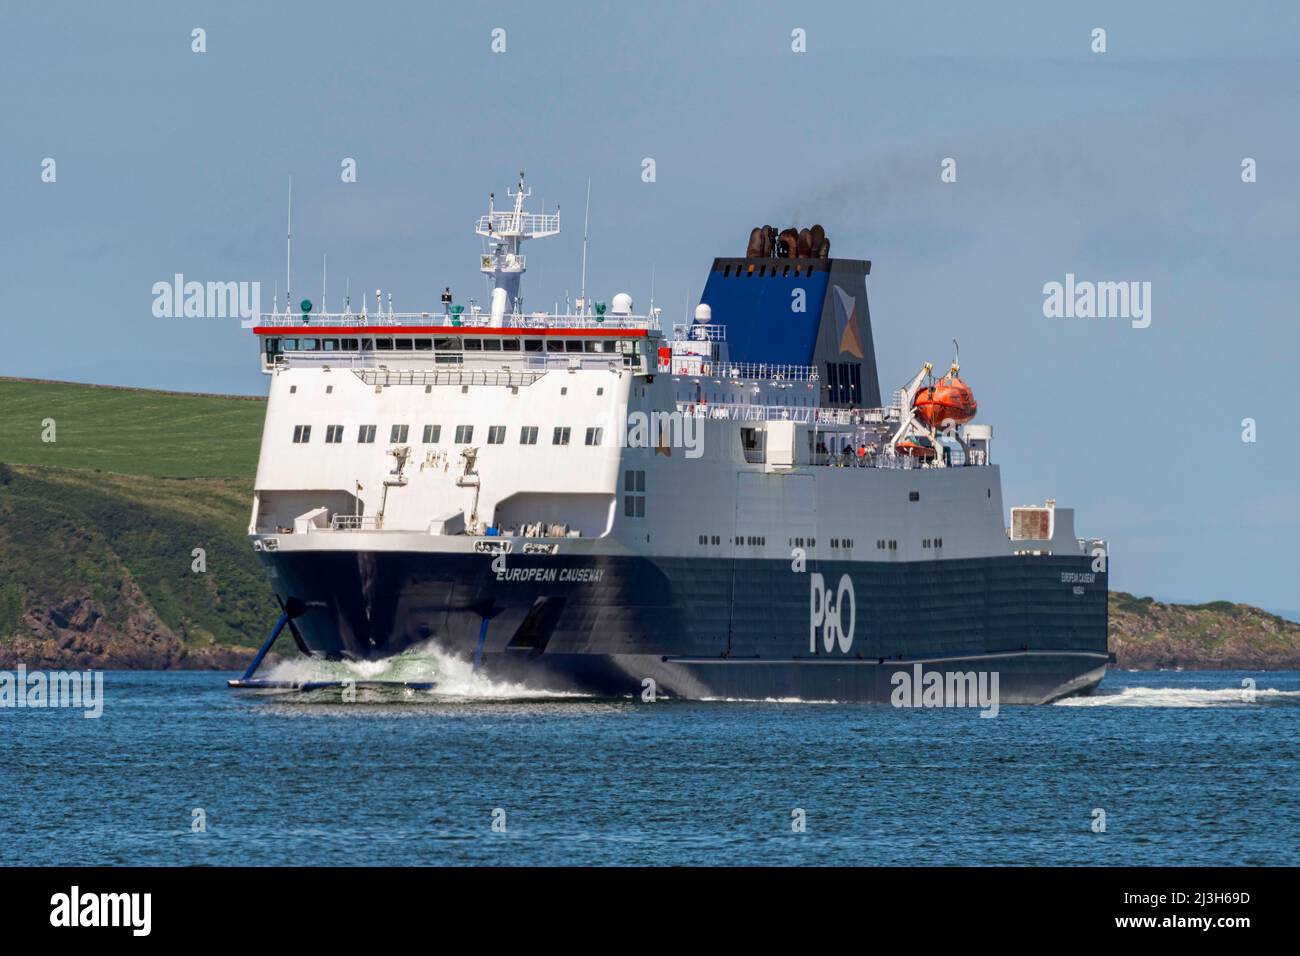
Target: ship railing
{"points": [[698, 365], [447, 376], [804, 414], [474, 319], [356, 523], [503, 225], [699, 332]]}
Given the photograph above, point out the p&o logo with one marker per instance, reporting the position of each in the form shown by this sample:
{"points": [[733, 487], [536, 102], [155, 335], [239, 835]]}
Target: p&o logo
{"points": [[827, 614]]}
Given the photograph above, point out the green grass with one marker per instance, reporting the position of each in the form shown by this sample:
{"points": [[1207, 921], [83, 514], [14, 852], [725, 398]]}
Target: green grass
{"points": [[130, 431]]}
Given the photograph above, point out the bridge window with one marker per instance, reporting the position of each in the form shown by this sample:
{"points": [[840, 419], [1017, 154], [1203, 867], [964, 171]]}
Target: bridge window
{"points": [[329, 345], [348, 345], [301, 434], [532, 345], [528, 435], [447, 344], [397, 434], [464, 434], [554, 345], [432, 433], [510, 345], [333, 434], [366, 435], [383, 345], [424, 345], [497, 435], [473, 345], [491, 345]]}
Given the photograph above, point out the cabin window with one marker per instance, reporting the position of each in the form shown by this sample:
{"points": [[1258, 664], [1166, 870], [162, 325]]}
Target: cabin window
{"points": [[913, 496], [594, 436], [634, 481], [528, 435], [397, 434], [333, 434], [634, 506], [464, 434], [532, 345], [560, 436], [301, 434], [431, 434], [497, 435], [365, 434]]}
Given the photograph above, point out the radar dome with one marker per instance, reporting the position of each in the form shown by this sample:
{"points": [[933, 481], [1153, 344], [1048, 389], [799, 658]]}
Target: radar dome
{"points": [[622, 304]]}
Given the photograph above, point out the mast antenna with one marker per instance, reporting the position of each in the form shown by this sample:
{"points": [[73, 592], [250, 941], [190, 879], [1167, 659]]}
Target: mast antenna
{"points": [[324, 267], [288, 251], [586, 217]]}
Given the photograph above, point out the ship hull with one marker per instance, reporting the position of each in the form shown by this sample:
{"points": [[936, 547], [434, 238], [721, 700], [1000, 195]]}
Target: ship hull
{"points": [[614, 625]]}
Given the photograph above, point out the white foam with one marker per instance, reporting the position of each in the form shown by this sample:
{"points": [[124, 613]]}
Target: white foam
{"points": [[1182, 697], [455, 678]]}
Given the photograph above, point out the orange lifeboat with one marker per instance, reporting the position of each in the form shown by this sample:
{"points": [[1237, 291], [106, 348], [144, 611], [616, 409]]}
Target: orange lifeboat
{"points": [[948, 401], [918, 446]]}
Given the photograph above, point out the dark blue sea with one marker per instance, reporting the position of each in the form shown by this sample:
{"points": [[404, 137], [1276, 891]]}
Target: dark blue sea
{"points": [[1184, 769]]}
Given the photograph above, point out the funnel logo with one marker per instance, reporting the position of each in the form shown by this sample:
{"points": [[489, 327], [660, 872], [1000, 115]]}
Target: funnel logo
{"points": [[846, 323], [828, 616]]}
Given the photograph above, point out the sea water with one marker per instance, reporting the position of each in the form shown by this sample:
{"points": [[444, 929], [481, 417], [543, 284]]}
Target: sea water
{"points": [[1155, 768]]}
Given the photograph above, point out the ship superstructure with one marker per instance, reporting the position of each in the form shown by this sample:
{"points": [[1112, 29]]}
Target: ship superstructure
{"points": [[588, 500]]}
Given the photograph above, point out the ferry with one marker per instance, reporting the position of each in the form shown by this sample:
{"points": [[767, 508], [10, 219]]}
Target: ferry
{"points": [[595, 500]]}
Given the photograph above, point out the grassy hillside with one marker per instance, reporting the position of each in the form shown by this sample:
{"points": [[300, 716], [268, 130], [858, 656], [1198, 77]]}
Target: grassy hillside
{"points": [[97, 528], [97, 569], [131, 431]]}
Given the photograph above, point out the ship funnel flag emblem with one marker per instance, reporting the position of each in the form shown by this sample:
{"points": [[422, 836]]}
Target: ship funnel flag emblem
{"points": [[846, 323]]}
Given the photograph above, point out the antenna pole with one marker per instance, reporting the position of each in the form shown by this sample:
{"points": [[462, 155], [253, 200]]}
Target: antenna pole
{"points": [[586, 217], [324, 266], [288, 251]]}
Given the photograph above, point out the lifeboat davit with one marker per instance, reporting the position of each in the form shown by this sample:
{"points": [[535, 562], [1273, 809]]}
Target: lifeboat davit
{"points": [[947, 402], [917, 446]]}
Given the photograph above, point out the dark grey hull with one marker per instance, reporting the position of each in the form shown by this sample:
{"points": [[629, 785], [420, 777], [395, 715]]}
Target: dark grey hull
{"points": [[704, 628]]}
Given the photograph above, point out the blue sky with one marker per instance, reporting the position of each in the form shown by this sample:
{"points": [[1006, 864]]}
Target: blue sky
{"points": [[1115, 166]]}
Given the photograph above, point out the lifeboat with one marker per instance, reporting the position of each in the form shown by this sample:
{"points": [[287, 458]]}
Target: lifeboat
{"points": [[917, 446], [947, 402]]}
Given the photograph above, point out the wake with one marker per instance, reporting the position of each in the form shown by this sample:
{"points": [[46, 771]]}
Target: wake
{"points": [[1184, 697], [455, 678]]}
